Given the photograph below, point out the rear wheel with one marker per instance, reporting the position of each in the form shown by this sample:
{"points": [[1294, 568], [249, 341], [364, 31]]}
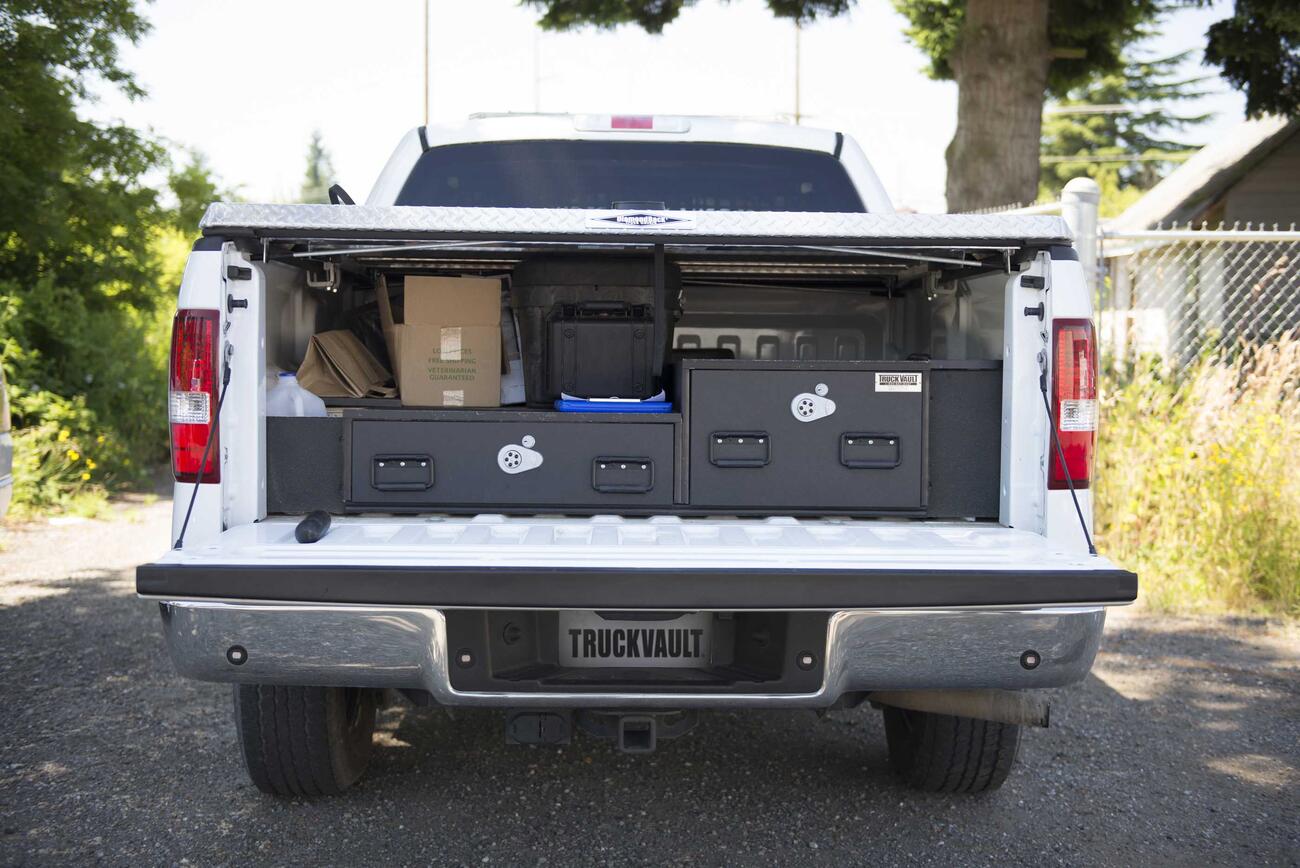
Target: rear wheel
{"points": [[941, 753], [304, 741]]}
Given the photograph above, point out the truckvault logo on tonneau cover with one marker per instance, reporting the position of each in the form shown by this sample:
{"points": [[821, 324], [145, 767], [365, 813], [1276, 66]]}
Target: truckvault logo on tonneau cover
{"points": [[642, 220]]}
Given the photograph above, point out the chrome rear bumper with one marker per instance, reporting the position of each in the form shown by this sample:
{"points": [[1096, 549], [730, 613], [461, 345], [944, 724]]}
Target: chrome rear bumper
{"points": [[406, 647]]}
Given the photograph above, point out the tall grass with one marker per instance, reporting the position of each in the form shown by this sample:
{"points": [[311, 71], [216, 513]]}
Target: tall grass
{"points": [[1199, 480]]}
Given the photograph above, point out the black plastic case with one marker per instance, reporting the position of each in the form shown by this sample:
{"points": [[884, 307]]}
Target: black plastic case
{"points": [[601, 349], [594, 325]]}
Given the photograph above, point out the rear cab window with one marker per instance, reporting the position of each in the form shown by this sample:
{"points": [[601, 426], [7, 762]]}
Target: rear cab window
{"points": [[676, 176]]}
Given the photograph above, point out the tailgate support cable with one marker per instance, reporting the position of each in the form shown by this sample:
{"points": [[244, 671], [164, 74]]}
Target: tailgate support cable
{"points": [[1060, 456], [207, 449]]}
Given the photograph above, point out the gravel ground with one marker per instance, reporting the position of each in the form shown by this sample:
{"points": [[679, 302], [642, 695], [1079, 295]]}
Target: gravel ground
{"points": [[1183, 747]]}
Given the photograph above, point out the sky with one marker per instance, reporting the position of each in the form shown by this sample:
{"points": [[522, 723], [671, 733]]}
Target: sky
{"points": [[247, 81]]}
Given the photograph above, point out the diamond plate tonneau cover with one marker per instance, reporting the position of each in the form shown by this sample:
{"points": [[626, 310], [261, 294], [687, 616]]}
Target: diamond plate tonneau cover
{"points": [[676, 227]]}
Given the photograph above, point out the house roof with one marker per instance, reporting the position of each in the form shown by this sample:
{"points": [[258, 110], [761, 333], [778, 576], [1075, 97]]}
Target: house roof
{"points": [[1197, 183]]}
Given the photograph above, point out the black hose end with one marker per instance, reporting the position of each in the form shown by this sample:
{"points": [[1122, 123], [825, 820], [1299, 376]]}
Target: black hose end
{"points": [[314, 526]]}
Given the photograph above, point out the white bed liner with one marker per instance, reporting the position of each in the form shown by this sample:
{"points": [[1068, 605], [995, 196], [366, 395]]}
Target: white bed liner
{"points": [[659, 542], [376, 222]]}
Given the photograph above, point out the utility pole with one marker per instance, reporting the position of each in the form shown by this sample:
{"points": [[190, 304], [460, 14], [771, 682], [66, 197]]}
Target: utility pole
{"points": [[426, 62], [798, 31], [537, 69]]}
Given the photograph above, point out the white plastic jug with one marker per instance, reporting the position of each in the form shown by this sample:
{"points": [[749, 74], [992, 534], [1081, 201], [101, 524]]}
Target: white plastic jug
{"points": [[287, 398]]}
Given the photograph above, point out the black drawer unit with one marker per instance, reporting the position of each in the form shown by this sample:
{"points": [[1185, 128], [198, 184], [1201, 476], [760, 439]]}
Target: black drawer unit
{"points": [[928, 444], [509, 460], [807, 436]]}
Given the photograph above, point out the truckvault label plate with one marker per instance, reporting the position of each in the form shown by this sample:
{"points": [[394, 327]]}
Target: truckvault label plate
{"points": [[591, 640], [895, 381]]}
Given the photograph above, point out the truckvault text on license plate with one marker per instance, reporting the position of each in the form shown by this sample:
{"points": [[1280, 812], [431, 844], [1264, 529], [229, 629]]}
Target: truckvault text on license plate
{"points": [[589, 639]]}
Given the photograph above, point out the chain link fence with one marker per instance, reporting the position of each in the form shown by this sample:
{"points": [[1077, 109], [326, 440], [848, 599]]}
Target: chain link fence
{"points": [[1176, 293], [1189, 449]]}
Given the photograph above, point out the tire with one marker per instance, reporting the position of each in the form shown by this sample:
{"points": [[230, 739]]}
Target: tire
{"points": [[304, 741], [940, 753]]}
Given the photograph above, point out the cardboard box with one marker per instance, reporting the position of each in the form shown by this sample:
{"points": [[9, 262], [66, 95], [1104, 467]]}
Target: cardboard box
{"points": [[447, 350]]}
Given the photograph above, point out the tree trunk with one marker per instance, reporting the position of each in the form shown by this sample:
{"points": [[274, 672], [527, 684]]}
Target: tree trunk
{"points": [[1000, 64]]}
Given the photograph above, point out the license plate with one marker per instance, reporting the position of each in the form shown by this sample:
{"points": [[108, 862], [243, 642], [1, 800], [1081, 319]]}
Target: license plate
{"points": [[588, 639]]}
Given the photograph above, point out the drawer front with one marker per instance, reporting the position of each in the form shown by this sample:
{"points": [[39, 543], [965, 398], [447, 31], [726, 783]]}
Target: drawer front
{"points": [[427, 464], [807, 439]]}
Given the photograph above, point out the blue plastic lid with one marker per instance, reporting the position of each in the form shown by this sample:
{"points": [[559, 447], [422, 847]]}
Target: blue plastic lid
{"points": [[579, 406]]}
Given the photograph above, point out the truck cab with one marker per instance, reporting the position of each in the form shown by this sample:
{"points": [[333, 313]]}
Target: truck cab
{"points": [[628, 418], [594, 161]]}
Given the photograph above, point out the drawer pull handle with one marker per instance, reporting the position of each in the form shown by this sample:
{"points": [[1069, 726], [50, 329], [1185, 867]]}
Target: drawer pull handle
{"points": [[401, 472], [622, 475], [870, 450], [740, 449]]}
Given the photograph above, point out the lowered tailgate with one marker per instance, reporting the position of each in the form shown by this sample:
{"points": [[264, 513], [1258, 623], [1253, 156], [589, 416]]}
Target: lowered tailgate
{"points": [[658, 563]]}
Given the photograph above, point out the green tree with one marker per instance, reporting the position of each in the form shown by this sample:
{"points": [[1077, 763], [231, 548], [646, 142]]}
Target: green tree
{"points": [[1007, 57], [195, 188], [84, 276], [67, 185], [320, 172], [1118, 127], [1258, 50]]}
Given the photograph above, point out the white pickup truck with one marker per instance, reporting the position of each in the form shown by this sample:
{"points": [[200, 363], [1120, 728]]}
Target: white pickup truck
{"points": [[870, 481]]}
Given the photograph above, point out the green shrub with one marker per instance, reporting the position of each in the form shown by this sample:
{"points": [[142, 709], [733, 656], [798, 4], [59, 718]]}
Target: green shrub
{"points": [[87, 377], [59, 464], [1198, 488]]}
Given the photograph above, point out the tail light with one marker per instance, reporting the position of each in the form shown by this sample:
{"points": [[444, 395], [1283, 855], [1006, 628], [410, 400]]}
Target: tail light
{"points": [[192, 395], [1074, 410]]}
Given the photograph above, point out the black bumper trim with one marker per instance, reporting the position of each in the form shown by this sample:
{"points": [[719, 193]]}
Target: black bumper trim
{"points": [[621, 589]]}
